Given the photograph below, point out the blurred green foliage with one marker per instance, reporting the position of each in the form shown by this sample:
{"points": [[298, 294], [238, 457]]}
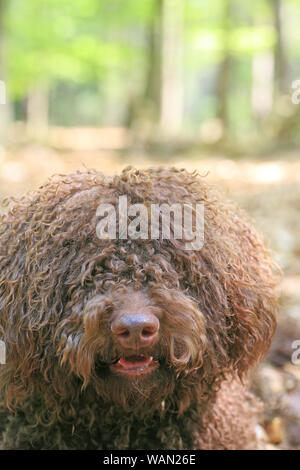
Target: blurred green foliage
{"points": [[95, 57]]}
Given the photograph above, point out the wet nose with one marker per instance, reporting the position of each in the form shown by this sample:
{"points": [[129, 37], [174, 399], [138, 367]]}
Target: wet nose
{"points": [[135, 330]]}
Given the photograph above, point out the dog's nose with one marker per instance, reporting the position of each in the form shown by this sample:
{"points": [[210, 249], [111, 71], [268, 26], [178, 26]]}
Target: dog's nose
{"points": [[135, 330]]}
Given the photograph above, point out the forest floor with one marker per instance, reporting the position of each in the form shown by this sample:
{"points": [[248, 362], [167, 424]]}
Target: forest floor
{"points": [[269, 190]]}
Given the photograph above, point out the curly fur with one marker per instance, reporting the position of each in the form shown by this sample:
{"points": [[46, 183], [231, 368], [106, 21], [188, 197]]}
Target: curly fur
{"points": [[60, 286]]}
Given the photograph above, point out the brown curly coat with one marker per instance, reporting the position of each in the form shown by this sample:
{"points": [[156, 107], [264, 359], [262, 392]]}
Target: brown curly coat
{"points": [[60, 285]]}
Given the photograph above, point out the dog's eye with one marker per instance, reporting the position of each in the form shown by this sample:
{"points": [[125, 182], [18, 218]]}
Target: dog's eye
{"points": [[109, 309]]}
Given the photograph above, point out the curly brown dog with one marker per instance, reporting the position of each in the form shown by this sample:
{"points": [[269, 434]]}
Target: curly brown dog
{"points": [[130, 343]]}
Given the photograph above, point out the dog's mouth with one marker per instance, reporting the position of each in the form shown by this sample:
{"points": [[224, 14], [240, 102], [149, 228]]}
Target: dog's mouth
{"points": [[134, 366]]}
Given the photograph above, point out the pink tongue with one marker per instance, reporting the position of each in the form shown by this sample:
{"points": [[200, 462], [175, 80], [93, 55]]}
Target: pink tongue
{"points": [[134, 362]]}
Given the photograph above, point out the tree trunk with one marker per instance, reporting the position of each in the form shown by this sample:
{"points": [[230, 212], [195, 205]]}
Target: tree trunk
{"points": [[171, 100], [143, 111], [224, 70], [279, 53], [5, 107], [153, 80], [37, 111], [262, 84]]}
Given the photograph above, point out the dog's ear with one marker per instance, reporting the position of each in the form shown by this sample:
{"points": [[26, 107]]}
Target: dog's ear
{"points": [[252, 324], [240, 321], [236, 290], [251, 284]]}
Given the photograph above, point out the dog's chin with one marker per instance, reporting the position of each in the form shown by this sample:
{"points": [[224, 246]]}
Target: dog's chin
{"points": [[136, 384]]}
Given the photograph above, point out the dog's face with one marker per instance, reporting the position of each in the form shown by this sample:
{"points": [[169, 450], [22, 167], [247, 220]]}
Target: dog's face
{"points": [[131, 322], [135, 344]]}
